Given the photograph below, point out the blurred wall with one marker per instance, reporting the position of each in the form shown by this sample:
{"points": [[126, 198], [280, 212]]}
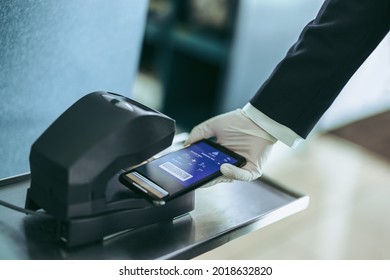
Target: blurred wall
{"points": [[264, 33], [52, 52]]}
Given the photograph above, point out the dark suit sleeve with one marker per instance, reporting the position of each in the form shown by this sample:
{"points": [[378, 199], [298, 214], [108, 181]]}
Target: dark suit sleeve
{"points": [[316, 68]]}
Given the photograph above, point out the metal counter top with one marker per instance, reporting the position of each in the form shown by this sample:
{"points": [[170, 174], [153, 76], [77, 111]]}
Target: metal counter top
{"points": [[222, 213]]}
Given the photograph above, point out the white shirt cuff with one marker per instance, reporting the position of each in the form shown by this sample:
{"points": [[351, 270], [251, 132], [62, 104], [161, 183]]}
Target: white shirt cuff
{"points": [[277, 130]]}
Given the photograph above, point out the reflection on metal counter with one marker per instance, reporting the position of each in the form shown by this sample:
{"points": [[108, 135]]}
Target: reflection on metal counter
{"points": [[222, 213]]}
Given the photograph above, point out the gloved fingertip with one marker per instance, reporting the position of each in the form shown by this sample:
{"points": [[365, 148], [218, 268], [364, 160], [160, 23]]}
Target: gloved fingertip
{"points": [[237, 173], [201, 131], [229, 170], [195, 135]]}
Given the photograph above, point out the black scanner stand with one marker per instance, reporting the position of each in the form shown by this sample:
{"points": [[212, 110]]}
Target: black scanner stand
{"points": [[76, 162]]}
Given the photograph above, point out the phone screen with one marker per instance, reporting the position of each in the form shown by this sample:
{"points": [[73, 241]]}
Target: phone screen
{"points": [[191, 164], [189, 167]]}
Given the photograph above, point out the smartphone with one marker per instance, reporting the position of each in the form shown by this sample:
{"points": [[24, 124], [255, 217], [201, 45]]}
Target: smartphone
{"points": [[181, 171]]}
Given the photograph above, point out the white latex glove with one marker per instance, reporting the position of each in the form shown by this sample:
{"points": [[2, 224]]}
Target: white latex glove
{"points": [[236, 131]]}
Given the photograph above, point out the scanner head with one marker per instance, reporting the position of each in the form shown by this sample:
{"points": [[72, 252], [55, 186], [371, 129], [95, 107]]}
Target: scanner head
{"points": [[102, 133]]}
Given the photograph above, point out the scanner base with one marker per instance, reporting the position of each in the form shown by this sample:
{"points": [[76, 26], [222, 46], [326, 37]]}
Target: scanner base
{"points": [[85, 230], [123, 210]]}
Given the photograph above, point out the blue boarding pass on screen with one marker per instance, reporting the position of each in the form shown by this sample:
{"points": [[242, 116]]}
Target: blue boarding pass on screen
{"points": [[193, 163]]}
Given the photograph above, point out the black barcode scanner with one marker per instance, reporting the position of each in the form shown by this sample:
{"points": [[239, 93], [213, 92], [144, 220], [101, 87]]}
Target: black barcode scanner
{"points": [[76, 162]]}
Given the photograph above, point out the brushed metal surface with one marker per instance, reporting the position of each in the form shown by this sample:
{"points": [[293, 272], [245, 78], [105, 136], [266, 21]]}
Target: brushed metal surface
{"points": [[222, 213]]}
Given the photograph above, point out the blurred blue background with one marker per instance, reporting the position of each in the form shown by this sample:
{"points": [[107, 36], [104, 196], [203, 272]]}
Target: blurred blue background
{"points": [[190, 59], [52, 53]]}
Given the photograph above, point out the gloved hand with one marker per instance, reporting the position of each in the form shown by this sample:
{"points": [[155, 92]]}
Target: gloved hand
{"points": [[236, 131]]}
